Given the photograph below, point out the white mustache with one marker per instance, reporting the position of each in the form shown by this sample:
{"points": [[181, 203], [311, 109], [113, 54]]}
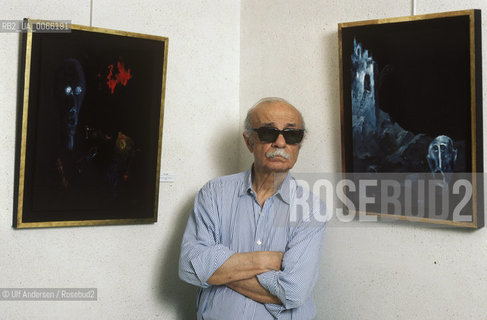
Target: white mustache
{"points": [[278, 153]]}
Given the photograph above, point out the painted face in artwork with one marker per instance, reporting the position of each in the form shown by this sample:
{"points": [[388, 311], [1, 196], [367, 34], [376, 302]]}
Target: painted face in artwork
{"points": [[70, 90], [442, 155]]}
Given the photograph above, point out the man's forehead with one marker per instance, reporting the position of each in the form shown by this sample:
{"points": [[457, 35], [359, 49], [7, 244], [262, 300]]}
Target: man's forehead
{"points": [[273, 113]]}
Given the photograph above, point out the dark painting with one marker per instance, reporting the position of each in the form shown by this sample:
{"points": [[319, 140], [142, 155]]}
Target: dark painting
{"points": [[411, 95], [90, 125]]}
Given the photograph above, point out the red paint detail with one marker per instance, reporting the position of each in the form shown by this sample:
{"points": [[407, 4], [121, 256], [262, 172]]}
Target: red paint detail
{"points": [[122, 77], [111, 82]]}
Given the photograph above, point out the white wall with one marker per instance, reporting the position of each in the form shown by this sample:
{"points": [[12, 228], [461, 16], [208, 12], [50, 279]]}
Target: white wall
{"points": [[289, 48], [223, 56], [133, 267]]}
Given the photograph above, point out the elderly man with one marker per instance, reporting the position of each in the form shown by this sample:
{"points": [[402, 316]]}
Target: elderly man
{"points": [[245, 246]]}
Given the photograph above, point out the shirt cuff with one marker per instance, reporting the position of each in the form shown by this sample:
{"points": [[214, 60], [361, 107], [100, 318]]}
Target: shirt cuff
{"points": [[206, 264], [269, 280]]}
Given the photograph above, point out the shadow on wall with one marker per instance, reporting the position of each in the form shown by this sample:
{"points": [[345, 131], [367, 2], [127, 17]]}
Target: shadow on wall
{"points": [[172, 290], [246, 158], [224, 151]]}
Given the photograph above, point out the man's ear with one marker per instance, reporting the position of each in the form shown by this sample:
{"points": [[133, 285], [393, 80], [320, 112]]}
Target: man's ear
{"points": [[248, 143]]}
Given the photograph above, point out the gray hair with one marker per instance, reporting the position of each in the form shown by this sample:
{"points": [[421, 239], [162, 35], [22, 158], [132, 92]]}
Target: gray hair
{"points": [[247, 122]]}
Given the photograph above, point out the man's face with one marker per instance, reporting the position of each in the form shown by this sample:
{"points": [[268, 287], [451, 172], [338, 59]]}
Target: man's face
{"points": [[281, 116]]}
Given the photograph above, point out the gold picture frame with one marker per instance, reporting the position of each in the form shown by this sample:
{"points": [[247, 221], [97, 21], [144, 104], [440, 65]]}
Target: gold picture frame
{"points": [[89, 126], [405, 84]]}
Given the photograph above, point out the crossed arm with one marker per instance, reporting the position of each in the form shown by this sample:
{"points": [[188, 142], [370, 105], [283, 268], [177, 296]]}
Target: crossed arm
{"points": [[240, 271], [279, 280]]}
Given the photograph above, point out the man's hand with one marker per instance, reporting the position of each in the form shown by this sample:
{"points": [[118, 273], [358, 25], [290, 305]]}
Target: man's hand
{"points": [[246, 265], [268, 260]]}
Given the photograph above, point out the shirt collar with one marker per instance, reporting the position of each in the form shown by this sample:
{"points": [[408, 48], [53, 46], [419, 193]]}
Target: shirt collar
{"points": [[283, 191], [247, 183]]}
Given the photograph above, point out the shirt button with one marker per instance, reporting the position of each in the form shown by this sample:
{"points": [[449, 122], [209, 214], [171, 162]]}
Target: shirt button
{"points": [[260, 212], [259, 242]]}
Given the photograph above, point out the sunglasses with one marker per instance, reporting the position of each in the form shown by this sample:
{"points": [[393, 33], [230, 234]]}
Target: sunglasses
{"points": [[270, 134]]}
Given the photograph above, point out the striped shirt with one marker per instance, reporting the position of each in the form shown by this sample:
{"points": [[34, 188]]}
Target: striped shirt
{"points": [[227, 219]]}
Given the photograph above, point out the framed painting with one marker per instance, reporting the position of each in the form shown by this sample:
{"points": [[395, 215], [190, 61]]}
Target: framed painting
{"points": [[411, 107], [89, 127]]}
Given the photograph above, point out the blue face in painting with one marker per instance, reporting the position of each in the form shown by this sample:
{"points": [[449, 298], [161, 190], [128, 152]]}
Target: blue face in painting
{"points": [[70, 87], [442, 155]]}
